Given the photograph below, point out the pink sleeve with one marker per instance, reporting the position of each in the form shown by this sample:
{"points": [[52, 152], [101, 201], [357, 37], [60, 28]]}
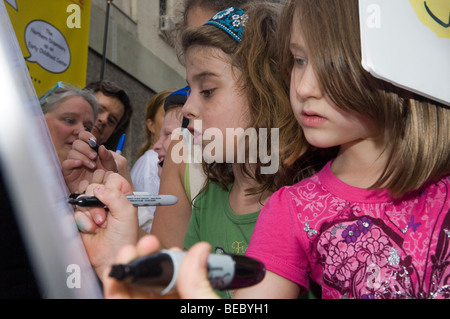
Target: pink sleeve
{"points": [[276, 239]]}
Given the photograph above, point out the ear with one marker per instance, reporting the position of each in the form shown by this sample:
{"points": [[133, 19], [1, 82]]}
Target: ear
{"points": [[150, 126]]}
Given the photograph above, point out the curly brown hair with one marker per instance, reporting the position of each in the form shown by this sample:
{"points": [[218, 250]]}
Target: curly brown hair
{"points": [[267, 91]]}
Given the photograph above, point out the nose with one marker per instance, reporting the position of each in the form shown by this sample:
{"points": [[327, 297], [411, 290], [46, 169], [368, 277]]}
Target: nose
{"points": [[189, 110], [306, 83], [158, 145], [77, 129], [102, 118]]}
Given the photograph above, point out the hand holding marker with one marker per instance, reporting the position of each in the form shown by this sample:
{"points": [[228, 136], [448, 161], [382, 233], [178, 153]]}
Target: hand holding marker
{"points": [[138, 199], [159, 272], [94, 145]]}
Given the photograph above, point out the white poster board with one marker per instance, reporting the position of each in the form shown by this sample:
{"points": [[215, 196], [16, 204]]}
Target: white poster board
{"points": [[407, 43], [33, 176]]}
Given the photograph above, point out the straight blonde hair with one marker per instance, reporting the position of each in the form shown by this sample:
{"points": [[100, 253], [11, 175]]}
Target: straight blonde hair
{"points": [[151, 109]]}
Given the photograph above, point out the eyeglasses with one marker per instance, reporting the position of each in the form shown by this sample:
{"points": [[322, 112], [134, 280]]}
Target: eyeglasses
{"points": [[59, 85]]}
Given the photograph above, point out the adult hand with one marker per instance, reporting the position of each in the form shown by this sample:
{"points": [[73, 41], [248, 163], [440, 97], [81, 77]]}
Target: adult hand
{"points": [[83, 161], [114, 289], [104, 232], [122, 166], [192, 281]]}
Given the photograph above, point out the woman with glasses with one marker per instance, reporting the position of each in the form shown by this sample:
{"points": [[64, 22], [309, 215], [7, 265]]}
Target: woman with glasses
{"points": [[68, 111]]}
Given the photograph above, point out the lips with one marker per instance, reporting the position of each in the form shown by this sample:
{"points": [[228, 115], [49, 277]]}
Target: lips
{"points": [[70, 142], [198, 137], [311, 119]]}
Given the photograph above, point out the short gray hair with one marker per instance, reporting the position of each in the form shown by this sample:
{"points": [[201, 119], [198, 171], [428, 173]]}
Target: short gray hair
{"points": [[55, 98]]}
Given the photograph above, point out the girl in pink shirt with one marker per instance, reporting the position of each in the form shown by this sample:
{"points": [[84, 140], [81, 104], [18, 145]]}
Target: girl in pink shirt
{"points": [[375, 222]]}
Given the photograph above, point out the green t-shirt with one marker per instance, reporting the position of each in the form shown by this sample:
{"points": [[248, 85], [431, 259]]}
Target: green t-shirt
{"points": [[214, 222]]}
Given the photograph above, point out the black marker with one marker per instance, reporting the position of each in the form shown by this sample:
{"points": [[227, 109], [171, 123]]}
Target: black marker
{"points": [[93, 144], [135, 200], [158, 272]]}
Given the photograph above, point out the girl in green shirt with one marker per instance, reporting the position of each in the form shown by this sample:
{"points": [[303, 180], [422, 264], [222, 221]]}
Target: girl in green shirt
{"points": [[240, 115]]}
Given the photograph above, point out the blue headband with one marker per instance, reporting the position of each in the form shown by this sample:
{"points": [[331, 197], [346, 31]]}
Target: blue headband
{"points": [[178, 97], [232, 21]]}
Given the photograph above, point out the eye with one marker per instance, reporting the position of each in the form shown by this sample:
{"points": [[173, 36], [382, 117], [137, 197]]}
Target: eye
{"points": [[69, 121], [111, 121], [207, 93], [300, 62]]}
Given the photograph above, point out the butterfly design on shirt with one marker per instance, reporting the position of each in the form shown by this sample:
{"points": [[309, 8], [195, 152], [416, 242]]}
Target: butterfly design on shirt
{"points": [[411, 225], [311, 232]]}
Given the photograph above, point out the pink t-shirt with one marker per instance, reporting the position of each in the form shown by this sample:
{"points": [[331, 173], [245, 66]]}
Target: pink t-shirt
{"points": [[357, 243]]}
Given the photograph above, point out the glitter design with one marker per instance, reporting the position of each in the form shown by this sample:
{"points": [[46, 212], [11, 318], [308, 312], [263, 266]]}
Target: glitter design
{"points": [[335, 229], [394, 258], [232, 21], [311, 232]]}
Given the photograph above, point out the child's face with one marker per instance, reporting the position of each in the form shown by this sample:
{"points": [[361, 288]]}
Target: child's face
{"points": [[215, 100], [324, 124], [170, 123]]}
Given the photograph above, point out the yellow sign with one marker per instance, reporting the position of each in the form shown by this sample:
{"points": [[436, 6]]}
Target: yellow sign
{"points": [[435, 14], [53, 36]]}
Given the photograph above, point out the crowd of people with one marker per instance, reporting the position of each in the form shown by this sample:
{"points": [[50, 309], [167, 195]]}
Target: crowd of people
{"points": [[357, 205]]}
